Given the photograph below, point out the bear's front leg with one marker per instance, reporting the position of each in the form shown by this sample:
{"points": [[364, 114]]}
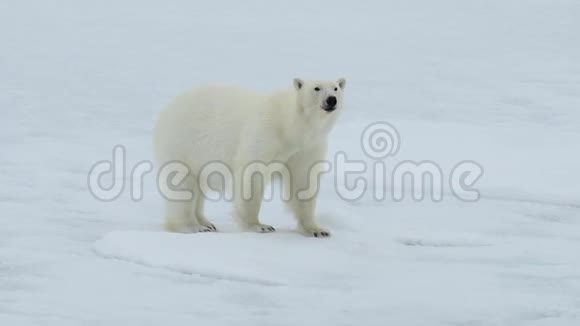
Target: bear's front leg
{"points": [[304, 212], [248, 200], [305, 168]]}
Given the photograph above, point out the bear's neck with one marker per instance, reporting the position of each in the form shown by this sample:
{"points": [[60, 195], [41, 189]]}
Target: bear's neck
{"points": [[300, 127]]}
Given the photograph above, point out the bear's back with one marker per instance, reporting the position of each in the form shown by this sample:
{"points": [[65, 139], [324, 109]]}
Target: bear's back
{"points": [[205, 124]]}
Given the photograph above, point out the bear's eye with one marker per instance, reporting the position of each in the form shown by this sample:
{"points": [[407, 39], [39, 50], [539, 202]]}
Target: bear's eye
{"points": [[317, 88], [336, 89]]}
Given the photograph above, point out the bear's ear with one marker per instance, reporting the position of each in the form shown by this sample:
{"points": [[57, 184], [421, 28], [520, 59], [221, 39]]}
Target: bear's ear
{"points": [[298, 83], [342, 83]]}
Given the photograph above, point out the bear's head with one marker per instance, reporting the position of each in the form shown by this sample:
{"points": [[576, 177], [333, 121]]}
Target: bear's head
{"points": [[320, 95]]}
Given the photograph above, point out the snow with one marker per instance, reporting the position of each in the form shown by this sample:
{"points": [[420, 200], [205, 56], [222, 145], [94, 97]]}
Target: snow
{"points": [[496, 82]]}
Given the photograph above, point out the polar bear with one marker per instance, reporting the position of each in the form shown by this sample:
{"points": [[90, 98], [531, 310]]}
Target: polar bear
{"points": [[236, 127]]}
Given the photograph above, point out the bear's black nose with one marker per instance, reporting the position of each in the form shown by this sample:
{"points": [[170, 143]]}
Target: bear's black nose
{"points": [[331, 101]]}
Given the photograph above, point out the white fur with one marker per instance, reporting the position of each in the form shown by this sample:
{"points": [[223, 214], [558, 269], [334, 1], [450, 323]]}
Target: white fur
{"points": [[236, 126]]}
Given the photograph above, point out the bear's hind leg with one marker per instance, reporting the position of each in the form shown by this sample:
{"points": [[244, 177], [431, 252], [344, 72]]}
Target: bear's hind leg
{"points": [[198, 208], [180, 214], [176, 217]]}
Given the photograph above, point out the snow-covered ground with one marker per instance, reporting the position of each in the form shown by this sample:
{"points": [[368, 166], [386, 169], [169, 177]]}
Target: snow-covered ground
{"points": [[496, 82]]}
